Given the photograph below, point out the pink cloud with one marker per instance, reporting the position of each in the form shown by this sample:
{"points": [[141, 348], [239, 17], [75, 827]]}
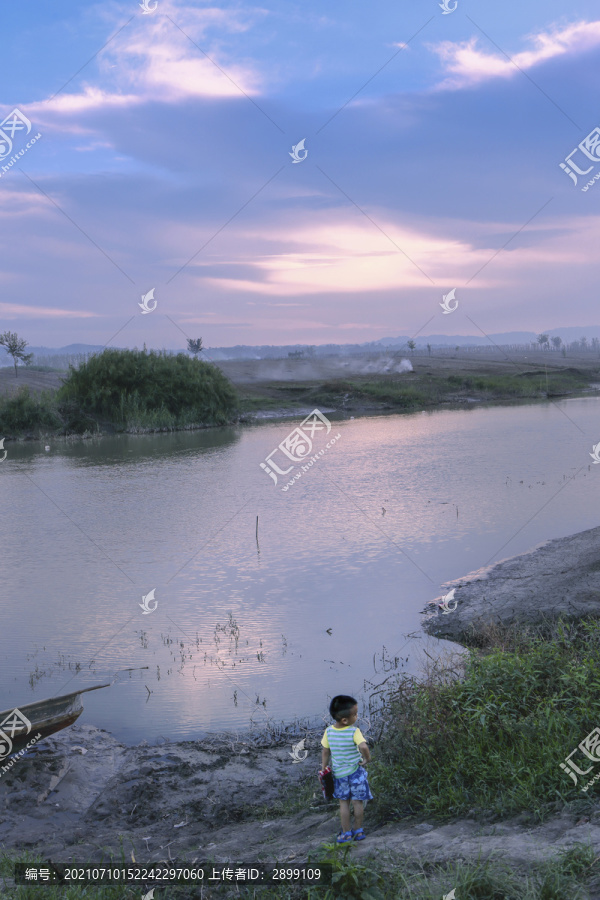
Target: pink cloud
{"points": [[25, 311], [467, 65], [338, 257]]}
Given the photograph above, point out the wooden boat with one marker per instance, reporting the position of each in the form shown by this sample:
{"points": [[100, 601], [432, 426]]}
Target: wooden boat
{"points": [[21, 725]]}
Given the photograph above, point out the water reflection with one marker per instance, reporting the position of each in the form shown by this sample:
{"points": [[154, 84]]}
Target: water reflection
{"points": [[246, 632]]}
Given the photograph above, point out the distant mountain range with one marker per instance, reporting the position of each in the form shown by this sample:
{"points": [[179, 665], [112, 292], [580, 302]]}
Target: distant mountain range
{"points": [[245, 351], [568, 335]]}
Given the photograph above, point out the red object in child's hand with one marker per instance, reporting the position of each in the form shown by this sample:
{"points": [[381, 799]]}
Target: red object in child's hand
{"points": [[327, 785]]}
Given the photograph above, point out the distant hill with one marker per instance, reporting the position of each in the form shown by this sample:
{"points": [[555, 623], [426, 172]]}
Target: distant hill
{"points": [[463, 340], [273, 351], [70, 348]]}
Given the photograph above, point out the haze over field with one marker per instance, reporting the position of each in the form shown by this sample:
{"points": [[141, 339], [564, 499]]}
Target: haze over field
{"points": [[434, 145]]}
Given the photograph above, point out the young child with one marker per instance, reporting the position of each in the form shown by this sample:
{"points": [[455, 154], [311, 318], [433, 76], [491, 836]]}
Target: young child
{"points": [[349, 753]]}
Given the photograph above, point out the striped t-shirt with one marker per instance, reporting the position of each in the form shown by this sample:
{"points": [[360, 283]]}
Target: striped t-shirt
{"points": [[343, 743]]}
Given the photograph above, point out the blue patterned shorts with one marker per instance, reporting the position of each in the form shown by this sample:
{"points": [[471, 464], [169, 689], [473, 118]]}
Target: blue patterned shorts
{"points": [[355, 786]]}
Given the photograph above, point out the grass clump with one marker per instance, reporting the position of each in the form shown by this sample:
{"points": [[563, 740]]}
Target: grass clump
{"points": [[492, 738], [136, 389], [21, 412]]}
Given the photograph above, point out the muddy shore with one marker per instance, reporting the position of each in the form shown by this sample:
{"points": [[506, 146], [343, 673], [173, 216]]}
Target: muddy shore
{"points": [[83, 797], [556, 578]]}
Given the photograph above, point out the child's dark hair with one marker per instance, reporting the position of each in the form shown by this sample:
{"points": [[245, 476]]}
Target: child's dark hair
{"points": [[341, 707]]}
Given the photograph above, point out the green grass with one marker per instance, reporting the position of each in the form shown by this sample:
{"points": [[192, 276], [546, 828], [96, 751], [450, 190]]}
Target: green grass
{"points": [[492, 742], [416, 391]]}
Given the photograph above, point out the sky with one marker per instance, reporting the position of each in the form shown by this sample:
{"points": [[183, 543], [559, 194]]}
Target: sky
{"points": [[152, 150]]}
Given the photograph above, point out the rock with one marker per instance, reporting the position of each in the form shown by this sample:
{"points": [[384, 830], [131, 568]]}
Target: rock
{"points": [[557, 577]]}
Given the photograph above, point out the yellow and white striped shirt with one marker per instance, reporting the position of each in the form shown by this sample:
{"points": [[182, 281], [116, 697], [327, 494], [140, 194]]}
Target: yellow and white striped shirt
{"points": [[343, 743]]}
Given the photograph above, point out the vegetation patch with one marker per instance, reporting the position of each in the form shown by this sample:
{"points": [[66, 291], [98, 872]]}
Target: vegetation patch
{"points": [[488, 741], [23, 413], [139, 389], [124, 390]]}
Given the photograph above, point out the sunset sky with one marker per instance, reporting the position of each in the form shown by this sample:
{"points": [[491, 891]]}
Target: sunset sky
{"points": [[433, 141]]}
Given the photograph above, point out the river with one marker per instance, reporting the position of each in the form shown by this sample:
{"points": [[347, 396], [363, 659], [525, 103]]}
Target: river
{"points": [[245, 632]]}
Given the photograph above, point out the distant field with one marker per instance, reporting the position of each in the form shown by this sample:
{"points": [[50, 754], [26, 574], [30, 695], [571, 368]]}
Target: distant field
{"points": [[369, 382], [248, 371], [36, 381]]}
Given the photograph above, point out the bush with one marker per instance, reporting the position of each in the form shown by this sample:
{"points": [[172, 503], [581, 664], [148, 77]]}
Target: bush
{"points": [[23, 413], [136, 388]]}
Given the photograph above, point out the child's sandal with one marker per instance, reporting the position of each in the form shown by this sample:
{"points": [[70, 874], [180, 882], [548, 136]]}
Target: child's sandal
{"points": [[358, 834], [344, 837]]}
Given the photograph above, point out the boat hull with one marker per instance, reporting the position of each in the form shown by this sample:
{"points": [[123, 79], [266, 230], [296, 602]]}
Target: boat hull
{"points": [[38, 720]]}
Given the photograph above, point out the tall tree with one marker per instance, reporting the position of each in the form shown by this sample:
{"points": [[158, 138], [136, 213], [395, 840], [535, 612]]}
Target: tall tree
{"points": [[195, 346], [542, 339], [15, 347]]}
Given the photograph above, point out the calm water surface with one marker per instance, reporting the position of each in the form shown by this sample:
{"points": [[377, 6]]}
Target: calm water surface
{"points": [[398, 506]]}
